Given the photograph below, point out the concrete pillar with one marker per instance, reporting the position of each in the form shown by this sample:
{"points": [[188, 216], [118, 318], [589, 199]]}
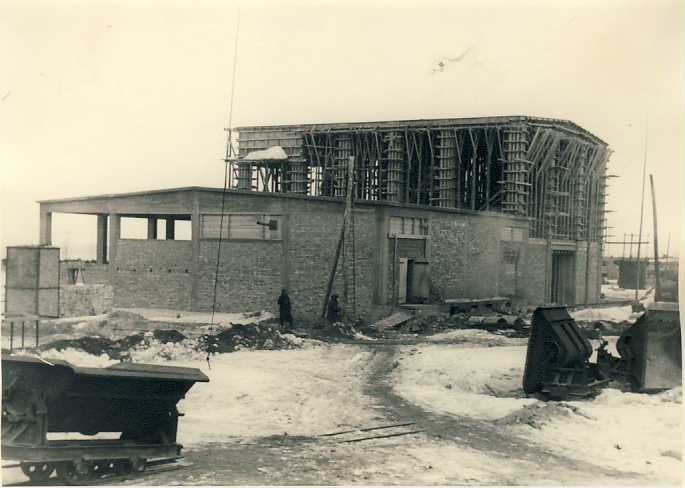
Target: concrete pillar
{"points": [[170, 228], [114, 235], [195, 237], [152, 227], [45, 229], [101, 253]]}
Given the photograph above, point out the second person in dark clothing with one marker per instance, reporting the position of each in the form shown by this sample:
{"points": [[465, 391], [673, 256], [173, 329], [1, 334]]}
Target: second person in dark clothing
{"points": [[285, 312]]}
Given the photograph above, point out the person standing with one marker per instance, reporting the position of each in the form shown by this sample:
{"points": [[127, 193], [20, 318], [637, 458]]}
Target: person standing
{"points": [[333, 310], [285, 312]]}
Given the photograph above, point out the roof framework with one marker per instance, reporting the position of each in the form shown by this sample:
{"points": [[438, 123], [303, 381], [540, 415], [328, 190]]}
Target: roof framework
{"points": [[549, 170]]}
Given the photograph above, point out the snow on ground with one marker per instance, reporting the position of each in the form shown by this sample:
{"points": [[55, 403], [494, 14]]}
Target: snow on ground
{"points": [[609, 314], [624, 431], [186, 317], [453, 379], [307, 391], [611, 291], [262, 393], [475, 337]]}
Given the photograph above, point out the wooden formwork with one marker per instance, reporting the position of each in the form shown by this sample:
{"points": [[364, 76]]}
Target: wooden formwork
{"points": [[549, 170]]}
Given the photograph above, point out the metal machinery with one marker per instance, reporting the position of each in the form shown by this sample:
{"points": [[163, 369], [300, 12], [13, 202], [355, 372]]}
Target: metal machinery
{"points": [[558, 357], [137, 401], [557, 360]]}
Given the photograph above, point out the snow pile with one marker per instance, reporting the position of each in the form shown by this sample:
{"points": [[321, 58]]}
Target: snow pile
{"points": [[154, 350], [476, 337], [612, 291], [78, 358], [221, 319], [610, 314], [475, 382], [273, 152], [263, 393]]}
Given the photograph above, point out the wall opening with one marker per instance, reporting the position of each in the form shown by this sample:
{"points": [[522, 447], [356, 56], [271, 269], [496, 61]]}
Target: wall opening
{"points": [[75, 235], [133, 228], [563, 277]]}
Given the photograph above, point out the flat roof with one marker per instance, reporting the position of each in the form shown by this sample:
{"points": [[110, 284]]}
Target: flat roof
{"points": [[295, 196], [390, 124]]}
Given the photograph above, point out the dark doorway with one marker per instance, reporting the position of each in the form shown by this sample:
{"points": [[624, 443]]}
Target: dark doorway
{"points": [[563, 277]]}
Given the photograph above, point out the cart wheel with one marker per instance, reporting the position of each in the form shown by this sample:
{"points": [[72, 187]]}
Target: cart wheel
{"points": [[37, 471], [76, 472], [138, 465], [122, 466]]}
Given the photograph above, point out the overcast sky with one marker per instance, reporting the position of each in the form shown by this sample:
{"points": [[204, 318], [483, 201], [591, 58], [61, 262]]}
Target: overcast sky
{"points": [[106, 97]]}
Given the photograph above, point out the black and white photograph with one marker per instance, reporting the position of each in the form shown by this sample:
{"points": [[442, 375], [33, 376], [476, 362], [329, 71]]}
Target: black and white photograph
{"points": [[342, 243]]}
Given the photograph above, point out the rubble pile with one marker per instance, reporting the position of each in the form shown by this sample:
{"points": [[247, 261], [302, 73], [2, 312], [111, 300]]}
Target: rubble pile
{"points": [[116, 348], [170, 344], [505, 324], [248, 336]]}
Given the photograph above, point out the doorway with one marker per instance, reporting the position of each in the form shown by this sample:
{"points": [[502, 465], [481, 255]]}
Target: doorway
{"points": [[563, 281]]}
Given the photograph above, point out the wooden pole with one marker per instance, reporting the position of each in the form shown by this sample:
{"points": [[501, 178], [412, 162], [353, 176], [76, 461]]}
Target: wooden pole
{"points": [[657, 287], [346, 217]]}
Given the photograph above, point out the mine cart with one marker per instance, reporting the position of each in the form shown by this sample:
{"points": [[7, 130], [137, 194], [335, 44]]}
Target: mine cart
{"points": [[558, 357], [136, 401]]}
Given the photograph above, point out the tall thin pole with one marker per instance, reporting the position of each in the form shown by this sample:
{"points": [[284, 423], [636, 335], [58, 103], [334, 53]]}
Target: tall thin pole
{"points": [[657, 287], [642, 211], [668, 245], [346, 217]]}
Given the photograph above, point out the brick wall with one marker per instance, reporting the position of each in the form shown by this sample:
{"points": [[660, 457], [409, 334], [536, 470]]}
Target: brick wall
{"points": [[249, 277], [153, 273], [79, 300], [533, 267], [314, 231], [93, 273], [465, 255]]}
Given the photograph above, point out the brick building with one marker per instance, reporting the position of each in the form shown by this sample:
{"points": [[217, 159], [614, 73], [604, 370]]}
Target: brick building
{"points": [[502, 206]]}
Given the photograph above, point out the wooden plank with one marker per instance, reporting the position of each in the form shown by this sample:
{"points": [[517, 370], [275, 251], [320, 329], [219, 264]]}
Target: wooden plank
{"points": [[390, 321]]}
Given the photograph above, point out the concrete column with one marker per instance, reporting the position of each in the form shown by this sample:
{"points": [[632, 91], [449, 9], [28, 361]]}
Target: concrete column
{"points": [[170, 228], [45, 228], [152, 227], [114, 235], [101, 253], [195, 237]]}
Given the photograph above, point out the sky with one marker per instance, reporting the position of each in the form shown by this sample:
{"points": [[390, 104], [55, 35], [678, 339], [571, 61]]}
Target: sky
{"points": [[106, 97]]}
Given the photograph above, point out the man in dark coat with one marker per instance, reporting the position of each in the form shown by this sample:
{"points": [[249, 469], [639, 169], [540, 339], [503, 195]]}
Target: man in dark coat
{"points": [[333, 311], [285, 310]]}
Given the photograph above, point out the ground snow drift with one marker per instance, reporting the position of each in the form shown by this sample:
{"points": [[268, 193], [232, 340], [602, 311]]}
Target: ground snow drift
{"points": [[461, 380], [630, 432]]}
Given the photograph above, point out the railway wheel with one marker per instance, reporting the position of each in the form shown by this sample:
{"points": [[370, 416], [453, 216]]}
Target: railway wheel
{"points": [[38, 471], [138, 465], [75, 472]]}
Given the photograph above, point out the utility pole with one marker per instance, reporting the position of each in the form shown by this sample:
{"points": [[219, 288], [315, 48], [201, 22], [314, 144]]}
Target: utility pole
{"points": [[642, 210], [346, 217], [657, 287]]}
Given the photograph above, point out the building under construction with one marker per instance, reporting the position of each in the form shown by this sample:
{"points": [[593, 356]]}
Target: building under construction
{"points": [[443, 209]]}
